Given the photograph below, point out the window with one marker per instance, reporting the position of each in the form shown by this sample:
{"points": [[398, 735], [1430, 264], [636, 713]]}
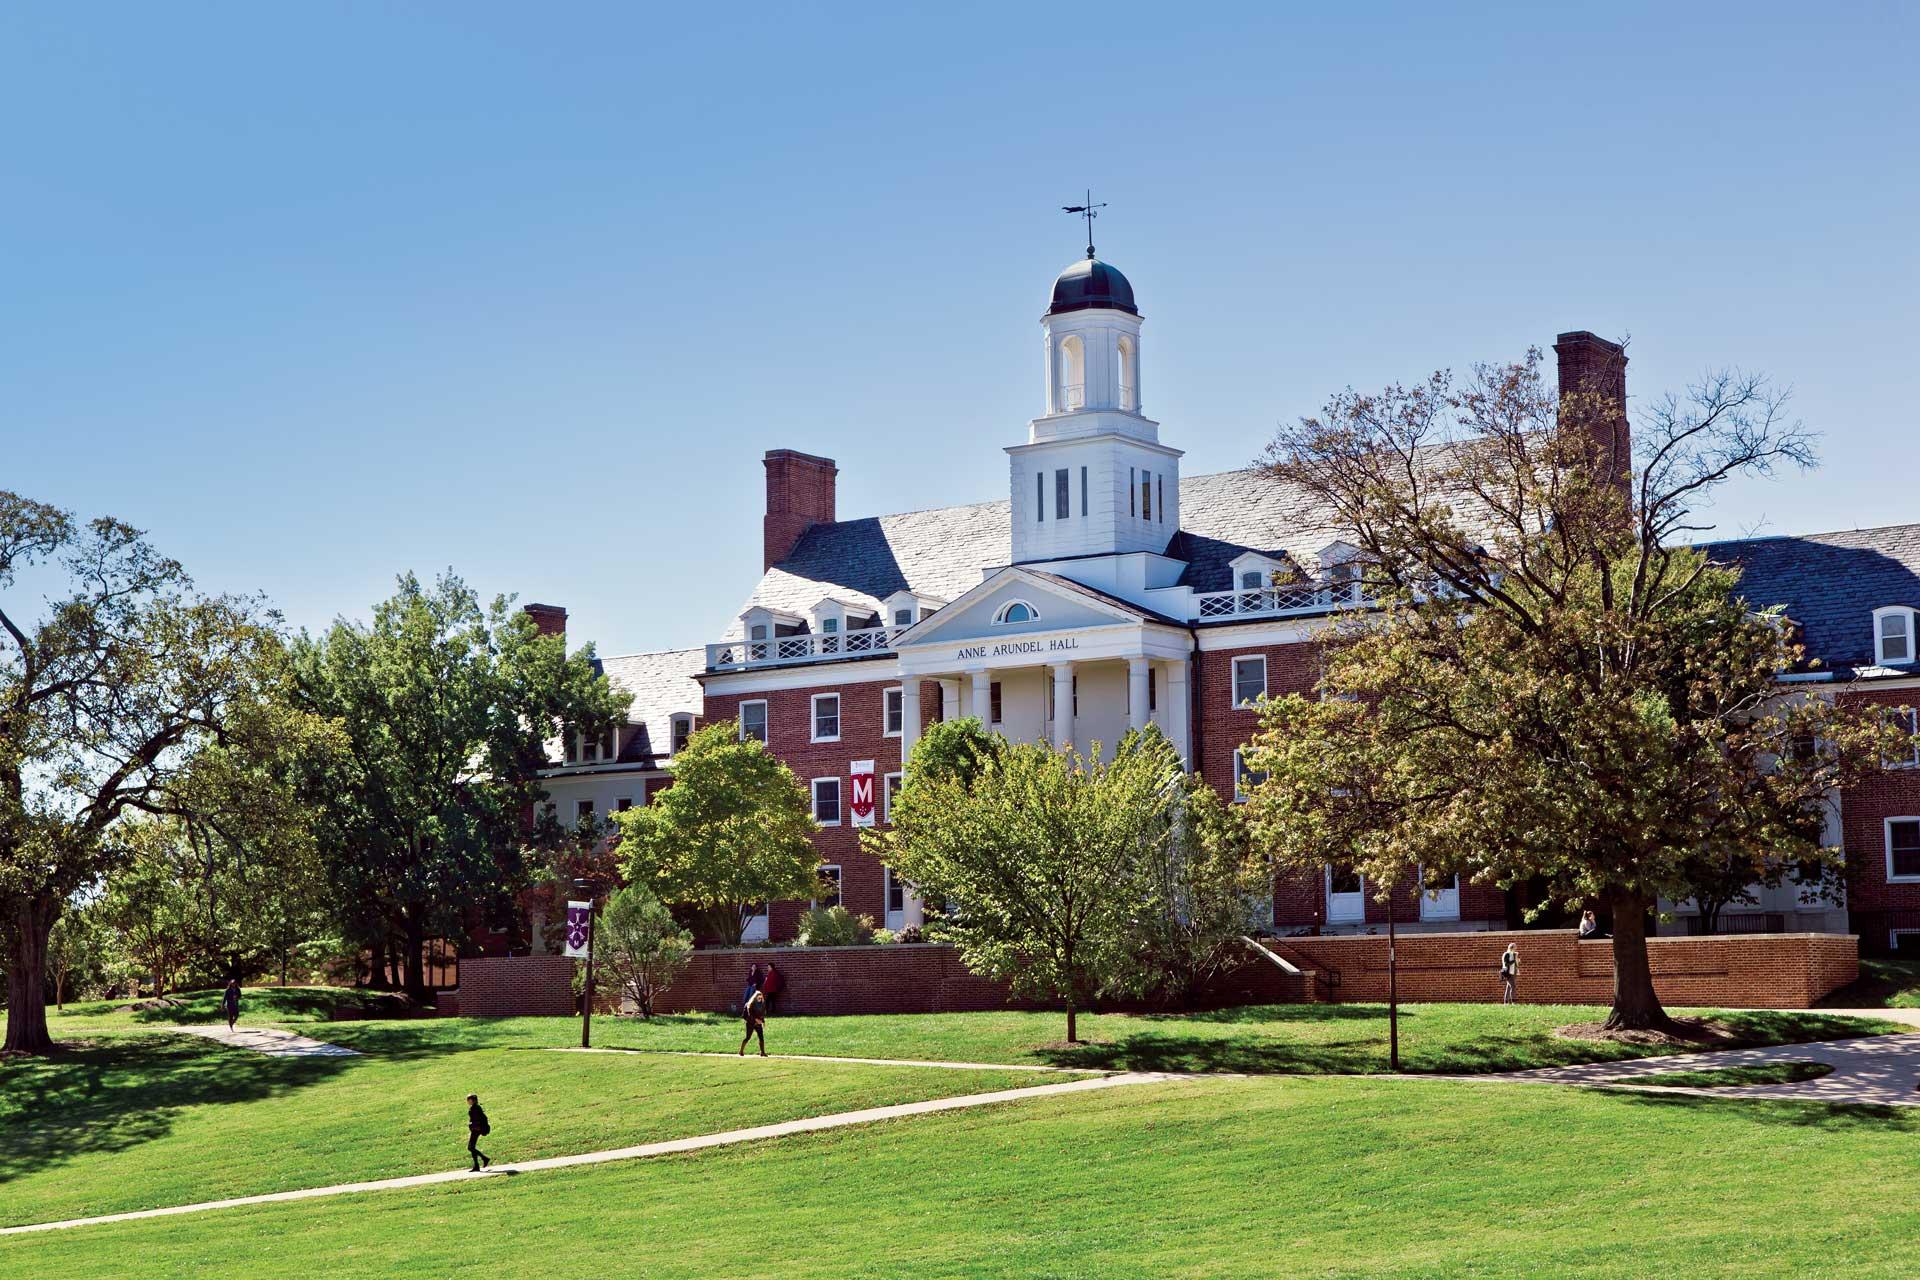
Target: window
{"points": [[1128, 397], [829, 635], [753, 720], [625, 803], [1250, 580], [1015, 611], [1153, 691], [1249, 681], [1070, 391], [896, 894], [826, 801], [1244, 779], [891, 788], [757, 632], [682, 730], [1160, 483], [1893, 634], [1909, 720], [583, 812], [585, 749], [1133, 474], [894, 716], [1060, 491], [826, 717], [1903, 848], [1146, 495], [993, 702], [1040, 496], [1083, 493], [903, 617], [830, 884]]}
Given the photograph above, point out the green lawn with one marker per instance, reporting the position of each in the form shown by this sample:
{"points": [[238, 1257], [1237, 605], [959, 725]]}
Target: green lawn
{"points": [[1277, 1038], [272, 1005], [1223, 1178], [136, 1121], [1733, 1077], [1883, 984]]}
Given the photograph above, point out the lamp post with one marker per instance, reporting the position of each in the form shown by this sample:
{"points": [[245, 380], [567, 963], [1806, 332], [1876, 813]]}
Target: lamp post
{"points": [[586, 998], [1393, 980]]}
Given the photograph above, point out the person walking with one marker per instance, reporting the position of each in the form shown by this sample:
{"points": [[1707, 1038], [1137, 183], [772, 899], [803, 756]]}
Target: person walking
{"points": [[477, 1128], [756, 1015], [230, 1001], [772, 983], [1509, 973]]}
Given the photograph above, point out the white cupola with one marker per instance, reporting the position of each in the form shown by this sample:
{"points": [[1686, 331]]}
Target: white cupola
{"points": [[1093, 477]]}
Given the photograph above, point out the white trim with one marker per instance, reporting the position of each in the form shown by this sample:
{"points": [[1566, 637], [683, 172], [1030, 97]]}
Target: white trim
{"points": [[886, 710], [818, 675], [1327, 888], [1000, 618], [886, 794], [1886, 834], [758, 924], [1233, 688], [1913, 760], [673, 723], [766, 719], [1906, 614], [839, 806], [813, 718], [1211, 639], [1894, 936], [839, 883]]}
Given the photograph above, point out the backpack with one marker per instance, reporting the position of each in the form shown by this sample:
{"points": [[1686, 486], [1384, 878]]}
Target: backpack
{"points": [[485, 1128]]}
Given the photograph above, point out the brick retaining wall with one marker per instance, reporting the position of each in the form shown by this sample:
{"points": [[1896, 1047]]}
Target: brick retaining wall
{"points": [[1761, 970], [1765, 970]]}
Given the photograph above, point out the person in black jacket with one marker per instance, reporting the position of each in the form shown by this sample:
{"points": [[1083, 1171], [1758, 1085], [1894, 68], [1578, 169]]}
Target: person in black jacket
{"points": [[230, 1002], [477, 1128]]}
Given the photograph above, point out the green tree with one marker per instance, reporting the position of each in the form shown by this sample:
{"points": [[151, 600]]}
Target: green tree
{"points": [[1039, 858], [1549, 688], [1197, 895], [149, 904], [732, 833], [642, 949], [76, 951], [443, 705], [104, 696]]}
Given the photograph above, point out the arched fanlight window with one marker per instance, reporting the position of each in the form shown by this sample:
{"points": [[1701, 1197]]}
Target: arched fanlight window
{"points": [[1016, 611]]}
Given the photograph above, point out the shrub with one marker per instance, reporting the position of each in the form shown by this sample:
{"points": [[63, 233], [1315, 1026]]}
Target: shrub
{"points": [[834, 926], [912, 933], [882, 937]]}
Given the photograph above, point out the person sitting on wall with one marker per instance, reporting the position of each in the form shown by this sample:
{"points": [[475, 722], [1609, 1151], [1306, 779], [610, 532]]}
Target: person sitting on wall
{"points": [[1589, 927]]}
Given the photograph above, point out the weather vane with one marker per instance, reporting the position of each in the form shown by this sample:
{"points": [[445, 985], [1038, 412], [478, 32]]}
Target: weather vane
{"points": [[1089, 211]]}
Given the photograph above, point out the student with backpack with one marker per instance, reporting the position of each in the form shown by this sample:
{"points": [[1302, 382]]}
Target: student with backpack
{"points": [[477, 1128], [755, 1012], [1509, 973]]}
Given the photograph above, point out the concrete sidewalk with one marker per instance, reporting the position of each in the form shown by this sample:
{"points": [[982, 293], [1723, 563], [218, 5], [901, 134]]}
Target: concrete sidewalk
{"points": [[1871, 1071], [812, 1124], [864, 1062], [269, 1040]]}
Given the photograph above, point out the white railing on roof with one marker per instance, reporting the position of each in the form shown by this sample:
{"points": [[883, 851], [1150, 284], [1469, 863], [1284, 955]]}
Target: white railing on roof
{"points": [[1276, 601], [738, 655]]}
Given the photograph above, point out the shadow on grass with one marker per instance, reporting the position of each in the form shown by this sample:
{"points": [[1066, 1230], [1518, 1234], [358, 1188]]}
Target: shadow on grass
{"points": [[257, 1004], [1811, 1114], [112, 1095]]}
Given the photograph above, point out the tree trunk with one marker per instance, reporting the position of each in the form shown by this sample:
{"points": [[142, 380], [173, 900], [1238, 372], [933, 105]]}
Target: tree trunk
{"points": [[1073, 1029], [27, 975], [1635, 1005], [416, 963]]}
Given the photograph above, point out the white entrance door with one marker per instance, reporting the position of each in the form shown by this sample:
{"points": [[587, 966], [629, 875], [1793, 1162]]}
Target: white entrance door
{"points": [[1346, 896], [1440, 899], [896, 902]]}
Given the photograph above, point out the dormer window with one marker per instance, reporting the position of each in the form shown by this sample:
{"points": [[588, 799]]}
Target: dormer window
{"points": [[903, 617], [1016, 611], [593, 749], [1893, 635]]}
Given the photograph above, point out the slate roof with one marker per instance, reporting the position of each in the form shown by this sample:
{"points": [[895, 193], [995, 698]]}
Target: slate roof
{"points": [[1830, 583], [944, 552], [661, 684]]}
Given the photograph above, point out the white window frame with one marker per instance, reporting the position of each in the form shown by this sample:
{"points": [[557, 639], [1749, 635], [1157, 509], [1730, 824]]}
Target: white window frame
{"points": [[1912, 759], [758, 925], [1906, 615], [813, 718], [1894, 936], [766, 720], [839, 806], [1326, 883], [887, 788], [1886, 836], [1240, 795], [1239, 703], [839, 883], [673, 730], [892, 697], [889, 884], [1000, 614]]}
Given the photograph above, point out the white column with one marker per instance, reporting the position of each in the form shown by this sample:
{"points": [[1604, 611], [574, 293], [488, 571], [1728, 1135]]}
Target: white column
{"points": [[982, 709], [1137, 677], [950, 699], [1062, 706], [909, 717], [1176, 709]]}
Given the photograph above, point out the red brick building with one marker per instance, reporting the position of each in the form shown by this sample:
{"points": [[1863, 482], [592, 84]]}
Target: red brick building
{"points": [[1107, 592]]}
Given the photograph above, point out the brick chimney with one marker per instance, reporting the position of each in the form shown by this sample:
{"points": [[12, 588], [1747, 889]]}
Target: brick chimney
{"points": [[799, 496], [550, 618], [1591, 364]]}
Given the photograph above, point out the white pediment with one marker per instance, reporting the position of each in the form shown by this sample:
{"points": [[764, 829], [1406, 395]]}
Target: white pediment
{"points": [[1013, 603]]}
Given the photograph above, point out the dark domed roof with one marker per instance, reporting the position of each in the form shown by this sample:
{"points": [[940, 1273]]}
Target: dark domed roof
{"points": [[1091, 283]]}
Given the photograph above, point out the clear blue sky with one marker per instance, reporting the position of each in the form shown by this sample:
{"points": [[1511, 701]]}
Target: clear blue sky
{"points": [[320, 293]]}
